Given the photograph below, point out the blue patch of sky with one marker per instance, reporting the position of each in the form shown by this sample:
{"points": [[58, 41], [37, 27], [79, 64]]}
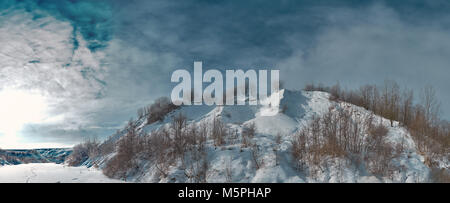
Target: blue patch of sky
{"points": [[90, 18]]}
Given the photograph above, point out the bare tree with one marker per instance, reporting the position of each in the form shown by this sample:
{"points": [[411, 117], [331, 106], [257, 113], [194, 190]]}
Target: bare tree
{"points": [[257, 156], [406, 107], [391, 98], [179, 135], [218, 132], [159, 109], [228, 170], [82, 152], [248, 132], [277, 148], [430, 104]]}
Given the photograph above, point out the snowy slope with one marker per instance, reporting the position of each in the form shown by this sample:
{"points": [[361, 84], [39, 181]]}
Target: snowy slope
{"points": [[297, 108], [51, 173]]}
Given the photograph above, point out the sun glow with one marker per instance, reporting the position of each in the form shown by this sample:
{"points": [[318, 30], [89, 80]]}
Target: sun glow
{"points": [[17, 108]]}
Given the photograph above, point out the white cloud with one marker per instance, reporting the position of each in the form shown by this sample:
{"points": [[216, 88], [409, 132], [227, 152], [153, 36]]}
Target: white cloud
{"points": [[45, 56]]}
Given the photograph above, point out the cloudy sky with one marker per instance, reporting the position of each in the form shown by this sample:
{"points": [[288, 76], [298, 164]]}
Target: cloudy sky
{"points": [[74, 69]]}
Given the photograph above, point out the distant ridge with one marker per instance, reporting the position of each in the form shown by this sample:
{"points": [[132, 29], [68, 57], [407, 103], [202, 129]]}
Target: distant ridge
{"points": [[43, 155]]}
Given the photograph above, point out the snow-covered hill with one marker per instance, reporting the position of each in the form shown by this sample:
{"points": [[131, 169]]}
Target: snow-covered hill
{"points": [[233, 163]]}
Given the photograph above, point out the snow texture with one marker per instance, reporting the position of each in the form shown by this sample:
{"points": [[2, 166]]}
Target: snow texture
{"points": [[51, 173]]}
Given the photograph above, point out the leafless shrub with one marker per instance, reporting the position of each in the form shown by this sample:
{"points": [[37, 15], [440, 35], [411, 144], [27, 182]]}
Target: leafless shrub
{"points": [[82, 152], [299, 151], [257, 158], [379, 153], [196, 166], [248, 132], [124, 162], [141, 112], [203, 135], [218, 132], [335, 92], [341, 133], [193, 136], [178, 128], [312, 87], [233, 136], [163, 147], [159, 109], [440, 175], [160, 151], [428, 130], [107, 147], [277, 148], [245, 142], [228, 171]]}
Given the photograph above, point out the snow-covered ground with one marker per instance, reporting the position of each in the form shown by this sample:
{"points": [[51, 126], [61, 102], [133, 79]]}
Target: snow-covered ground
{"points": [[51, 173]]}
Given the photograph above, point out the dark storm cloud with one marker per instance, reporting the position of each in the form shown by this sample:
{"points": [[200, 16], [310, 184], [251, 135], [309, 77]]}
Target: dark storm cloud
{"points": [[376, 43], [353, 42], [143, 41]]}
